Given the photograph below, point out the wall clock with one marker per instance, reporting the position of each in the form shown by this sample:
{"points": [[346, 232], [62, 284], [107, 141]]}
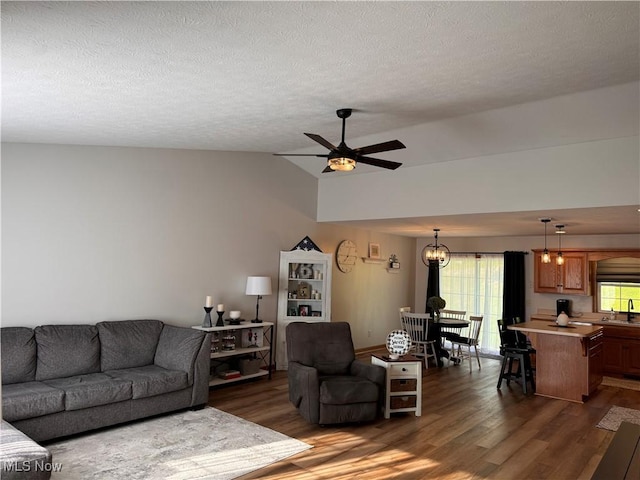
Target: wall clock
{"points": [[346, 256]]}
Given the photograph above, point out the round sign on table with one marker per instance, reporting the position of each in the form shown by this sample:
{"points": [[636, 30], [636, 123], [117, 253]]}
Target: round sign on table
{"points": [[398, 343]]}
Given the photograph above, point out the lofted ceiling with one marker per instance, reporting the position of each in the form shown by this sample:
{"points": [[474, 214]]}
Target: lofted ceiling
{"points": [[254, 76]]}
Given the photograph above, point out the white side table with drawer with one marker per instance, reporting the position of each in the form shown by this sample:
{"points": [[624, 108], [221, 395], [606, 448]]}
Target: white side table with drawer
{"points": [[403, 392]]}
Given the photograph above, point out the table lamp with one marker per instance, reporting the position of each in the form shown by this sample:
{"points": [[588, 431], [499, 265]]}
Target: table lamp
{"points": [[258, 286]]}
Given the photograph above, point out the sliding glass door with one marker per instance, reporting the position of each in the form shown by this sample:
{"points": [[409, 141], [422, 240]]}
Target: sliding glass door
{"points": [[474, 283]]}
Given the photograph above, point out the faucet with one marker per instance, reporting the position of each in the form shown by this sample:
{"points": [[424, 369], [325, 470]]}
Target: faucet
{"points": [[629, 308]]}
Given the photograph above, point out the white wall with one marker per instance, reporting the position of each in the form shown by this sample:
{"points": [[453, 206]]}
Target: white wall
{"points": [[605, 173], [104, 233], [534, 301]]}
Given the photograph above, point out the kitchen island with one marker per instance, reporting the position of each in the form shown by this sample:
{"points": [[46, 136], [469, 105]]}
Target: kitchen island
{"points": [[568, 359]]}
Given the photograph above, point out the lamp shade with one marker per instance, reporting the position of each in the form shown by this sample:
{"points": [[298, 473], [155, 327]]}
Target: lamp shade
{"points": [[258, 286]]}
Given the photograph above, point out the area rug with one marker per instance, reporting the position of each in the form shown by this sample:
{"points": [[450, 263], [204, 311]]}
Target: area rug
{"points": [[616, 415], [621, 383], [203, 444]]}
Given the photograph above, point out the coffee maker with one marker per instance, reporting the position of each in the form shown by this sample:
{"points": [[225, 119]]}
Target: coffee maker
{"points": [[563, 305]]}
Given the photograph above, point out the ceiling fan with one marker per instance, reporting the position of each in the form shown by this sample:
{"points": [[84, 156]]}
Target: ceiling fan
{"points": [[343, 158]]}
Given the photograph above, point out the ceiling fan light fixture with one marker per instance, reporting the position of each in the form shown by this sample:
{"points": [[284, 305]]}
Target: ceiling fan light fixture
{"points": [[342, 164]]}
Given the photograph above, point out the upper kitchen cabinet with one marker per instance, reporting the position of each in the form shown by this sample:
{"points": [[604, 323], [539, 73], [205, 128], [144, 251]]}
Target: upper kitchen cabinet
{"points": [[571, 278]]}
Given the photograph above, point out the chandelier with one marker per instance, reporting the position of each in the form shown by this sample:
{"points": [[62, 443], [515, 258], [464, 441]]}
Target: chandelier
{"points": [[435, 251]]}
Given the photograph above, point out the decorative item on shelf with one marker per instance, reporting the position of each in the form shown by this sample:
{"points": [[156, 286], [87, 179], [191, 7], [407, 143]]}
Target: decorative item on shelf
{"points": [[316, 313], [436, 304], [560, 231], [293, 270], [252, 338], [229, 342], [234, 317], [398, 344], [304, 310], [258, 286], [563, 319], [305, 271], [220, 312], [374, 250], [206, 323], [304, 290], [307, 245], [546, 258], [393, 261], [437, 252]]}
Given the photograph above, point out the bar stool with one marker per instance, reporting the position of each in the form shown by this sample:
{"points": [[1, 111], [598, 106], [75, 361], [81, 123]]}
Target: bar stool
{"points": [[513, 349]]}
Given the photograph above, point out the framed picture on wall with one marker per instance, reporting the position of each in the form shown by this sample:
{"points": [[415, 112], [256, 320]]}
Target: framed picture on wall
{"points": [[374, 250], [304, 310]]}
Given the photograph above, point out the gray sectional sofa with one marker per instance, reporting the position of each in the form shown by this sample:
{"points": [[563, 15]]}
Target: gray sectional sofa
{"points": [[59, 380]]}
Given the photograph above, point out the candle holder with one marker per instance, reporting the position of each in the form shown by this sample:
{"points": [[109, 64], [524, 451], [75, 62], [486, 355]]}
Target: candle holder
{"points": [[220, 322], [206, 323]]}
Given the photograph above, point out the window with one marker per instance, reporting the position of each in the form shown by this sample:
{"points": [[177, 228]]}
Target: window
{"points": [[474, 283], [616, 295]]}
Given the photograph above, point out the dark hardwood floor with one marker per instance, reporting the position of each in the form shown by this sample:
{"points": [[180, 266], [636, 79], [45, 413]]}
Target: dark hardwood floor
{"points": [[468, 429]]}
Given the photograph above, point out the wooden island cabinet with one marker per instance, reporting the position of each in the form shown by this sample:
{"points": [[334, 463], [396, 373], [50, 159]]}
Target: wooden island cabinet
{"points": [[621, 350], [569, 360]]}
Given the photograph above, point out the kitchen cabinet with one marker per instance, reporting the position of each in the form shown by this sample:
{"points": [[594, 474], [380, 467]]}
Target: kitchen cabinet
{"points": [[571, 278], [621, 350], [304, 293]]}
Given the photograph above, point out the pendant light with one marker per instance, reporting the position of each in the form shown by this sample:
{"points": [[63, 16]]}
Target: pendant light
{"points": [[546, 258], [435, 251], [560, 231]]}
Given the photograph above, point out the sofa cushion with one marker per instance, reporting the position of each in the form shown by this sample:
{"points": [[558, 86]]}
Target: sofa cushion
{"points": [[128, 343], [67, 350], [341, 390], [151, 380], [84, 391], [30, 399], [18, 355]]}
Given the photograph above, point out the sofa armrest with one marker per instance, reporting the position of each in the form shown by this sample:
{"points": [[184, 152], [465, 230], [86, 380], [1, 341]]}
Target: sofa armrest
{"points": [[374, 373], [178, 348], [304, 390]]}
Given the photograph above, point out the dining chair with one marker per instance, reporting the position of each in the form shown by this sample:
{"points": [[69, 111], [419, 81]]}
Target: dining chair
{"points": [[416, 325], [404, 310], [451, 333], [514, 347], [475, 322]]}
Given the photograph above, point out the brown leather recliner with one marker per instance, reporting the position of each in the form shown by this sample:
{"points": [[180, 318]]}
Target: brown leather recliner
{"points": [[326, 382]]}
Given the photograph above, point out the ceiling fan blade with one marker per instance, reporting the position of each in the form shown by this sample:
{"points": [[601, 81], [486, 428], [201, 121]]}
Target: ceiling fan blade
{"points": [[380, 147], [321, 155], [376, 162], [321, 141], [327, 169]]}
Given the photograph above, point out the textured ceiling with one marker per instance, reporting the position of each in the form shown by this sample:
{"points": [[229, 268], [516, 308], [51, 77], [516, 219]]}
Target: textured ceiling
{"points": [[253, 76]]}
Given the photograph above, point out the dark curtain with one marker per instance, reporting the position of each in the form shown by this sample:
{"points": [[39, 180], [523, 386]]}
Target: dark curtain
{"points": [[514, 287], [433, 283]]}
